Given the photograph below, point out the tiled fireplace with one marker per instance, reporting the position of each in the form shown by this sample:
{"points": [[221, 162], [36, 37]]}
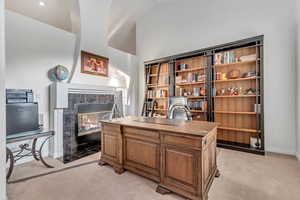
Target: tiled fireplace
{"points": [[76, 112], [81, 124]]}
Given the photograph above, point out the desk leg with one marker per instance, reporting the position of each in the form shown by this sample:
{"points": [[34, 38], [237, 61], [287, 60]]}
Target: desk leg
{"points": [[10, 159], [162, 190], [102, 163], [119, 170]]}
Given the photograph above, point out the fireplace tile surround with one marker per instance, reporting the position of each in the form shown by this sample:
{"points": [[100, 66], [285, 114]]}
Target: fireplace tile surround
{"points": [[70, 120], [64, 101]]}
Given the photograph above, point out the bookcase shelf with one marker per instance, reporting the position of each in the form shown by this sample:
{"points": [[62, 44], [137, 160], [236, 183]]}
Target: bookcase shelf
{"points": [[239, 129], [158, 86], [191, 70], [223, 84], [235, 96], [193, 83], [236, 63], [158, 98], [239, 113], [198, 111], [196, 97], [237, 79]]}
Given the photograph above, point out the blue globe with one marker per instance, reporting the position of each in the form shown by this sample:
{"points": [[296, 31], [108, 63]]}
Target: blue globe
{"points": [[59, 73]]}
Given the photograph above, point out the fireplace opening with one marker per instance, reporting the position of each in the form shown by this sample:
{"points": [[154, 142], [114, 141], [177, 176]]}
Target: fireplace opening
{"points": [[89, 123], [90, 115]]}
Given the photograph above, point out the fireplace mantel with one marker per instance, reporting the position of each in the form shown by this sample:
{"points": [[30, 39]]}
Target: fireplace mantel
{"points": [[59, 94]]}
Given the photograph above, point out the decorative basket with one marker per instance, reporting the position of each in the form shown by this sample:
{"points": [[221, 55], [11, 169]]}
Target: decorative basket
{"points": [[234, 74]]}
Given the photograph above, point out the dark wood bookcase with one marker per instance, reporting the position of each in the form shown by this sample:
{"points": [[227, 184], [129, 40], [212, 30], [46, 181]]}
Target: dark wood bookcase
{"points": [[223, 84]]}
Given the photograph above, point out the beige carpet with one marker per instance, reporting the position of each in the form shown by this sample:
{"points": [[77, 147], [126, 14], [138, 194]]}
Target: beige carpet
{"points": [[35, 168], [244, 177]]}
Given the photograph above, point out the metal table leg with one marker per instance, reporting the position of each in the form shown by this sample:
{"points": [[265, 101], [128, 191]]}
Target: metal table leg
{"points": [[10, 158], [40, 153], [34, 149]]}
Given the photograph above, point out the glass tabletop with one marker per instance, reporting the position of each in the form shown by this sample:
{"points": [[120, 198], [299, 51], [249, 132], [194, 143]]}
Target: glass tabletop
{"points": [[28, 134]]}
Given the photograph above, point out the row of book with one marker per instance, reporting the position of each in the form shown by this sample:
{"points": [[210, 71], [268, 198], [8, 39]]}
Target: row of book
{"points": [[190, 78], [196, 91], [159, 93], [226, 57], [198, 105]]}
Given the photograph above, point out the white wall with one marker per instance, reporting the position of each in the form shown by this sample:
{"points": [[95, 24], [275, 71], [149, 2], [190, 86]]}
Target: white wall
{"points": [[298, 81], [2, 107], [32, 49], [181, 27], [122, 66]]}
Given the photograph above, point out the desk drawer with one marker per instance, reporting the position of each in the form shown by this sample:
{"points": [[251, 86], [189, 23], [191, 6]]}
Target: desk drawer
{"points": [[111, 128], [142, 134], [172, 139]]}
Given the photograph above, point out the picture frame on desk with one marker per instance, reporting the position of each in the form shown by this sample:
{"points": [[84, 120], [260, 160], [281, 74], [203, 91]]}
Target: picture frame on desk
{"points": [[94, 64]]}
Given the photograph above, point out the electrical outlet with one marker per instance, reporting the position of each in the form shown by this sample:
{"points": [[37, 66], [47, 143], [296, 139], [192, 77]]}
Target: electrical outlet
{"points": [[41, 119], [37, 97]]}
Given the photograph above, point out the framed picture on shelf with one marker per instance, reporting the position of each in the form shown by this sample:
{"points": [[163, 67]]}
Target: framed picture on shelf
{"points": [[94, 64]]}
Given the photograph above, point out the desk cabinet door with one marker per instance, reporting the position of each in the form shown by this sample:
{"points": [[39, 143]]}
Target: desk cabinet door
{"points": [[142, 157], [111, 144], [180, 168], [209, 160]]}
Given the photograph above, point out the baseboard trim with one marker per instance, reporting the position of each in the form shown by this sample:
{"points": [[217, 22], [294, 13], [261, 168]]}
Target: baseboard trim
{"points": [[280, 151], [269, 153]]}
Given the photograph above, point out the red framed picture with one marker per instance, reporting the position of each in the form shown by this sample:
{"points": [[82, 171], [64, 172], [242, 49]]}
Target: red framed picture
{"points": [[94, 64]]}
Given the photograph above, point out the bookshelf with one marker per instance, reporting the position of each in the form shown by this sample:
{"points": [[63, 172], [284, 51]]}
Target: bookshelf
{"points": [[157, 90], [223, 84], [236, 95], [191, 81]]}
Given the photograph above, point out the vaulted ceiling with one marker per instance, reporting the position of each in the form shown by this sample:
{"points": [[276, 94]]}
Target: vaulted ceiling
{"points": [[121, 20], [52, 12]]}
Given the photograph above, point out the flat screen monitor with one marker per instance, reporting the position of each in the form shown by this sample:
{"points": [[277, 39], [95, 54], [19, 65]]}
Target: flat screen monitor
{"points": [[21, 117]]}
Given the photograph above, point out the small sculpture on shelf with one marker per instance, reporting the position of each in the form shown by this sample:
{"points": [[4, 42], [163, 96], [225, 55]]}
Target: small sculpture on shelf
{"points": [[233, 91], [250, 91], [220, 76], [249, 74], [234, 74], [202, 91]]}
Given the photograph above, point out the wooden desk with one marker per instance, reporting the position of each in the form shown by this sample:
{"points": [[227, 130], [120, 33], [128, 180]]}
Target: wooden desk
{"points": [[180, 156]]}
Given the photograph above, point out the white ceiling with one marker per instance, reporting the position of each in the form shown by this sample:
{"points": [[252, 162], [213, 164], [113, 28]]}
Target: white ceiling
{"points": [[54, 12], [121, 21]]}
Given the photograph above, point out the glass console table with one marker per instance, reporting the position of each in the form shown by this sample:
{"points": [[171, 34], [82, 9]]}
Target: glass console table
{"points": [[25, 150]]}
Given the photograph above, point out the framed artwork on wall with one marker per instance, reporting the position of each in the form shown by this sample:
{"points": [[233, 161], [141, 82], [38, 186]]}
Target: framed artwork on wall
{"points": [[94, 64]]}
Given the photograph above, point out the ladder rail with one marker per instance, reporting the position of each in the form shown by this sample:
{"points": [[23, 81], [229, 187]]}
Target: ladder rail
{"points": [[145, 111]]}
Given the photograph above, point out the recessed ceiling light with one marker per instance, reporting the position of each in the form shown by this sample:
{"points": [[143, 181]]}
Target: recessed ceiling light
{"points": [[42, 3]]}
